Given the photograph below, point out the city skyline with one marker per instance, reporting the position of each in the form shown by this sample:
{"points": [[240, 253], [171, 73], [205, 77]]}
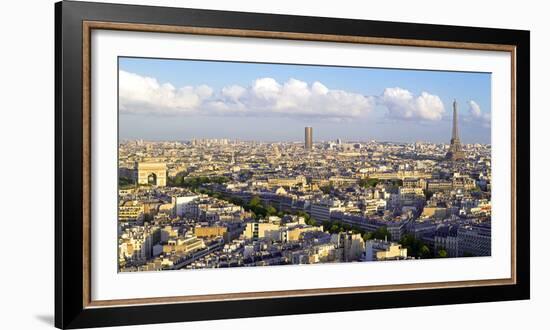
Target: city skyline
{"points": [[181, 99], [213, 203]]}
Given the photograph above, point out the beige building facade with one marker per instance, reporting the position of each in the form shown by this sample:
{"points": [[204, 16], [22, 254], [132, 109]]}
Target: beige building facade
{"points": [[151, 173]]}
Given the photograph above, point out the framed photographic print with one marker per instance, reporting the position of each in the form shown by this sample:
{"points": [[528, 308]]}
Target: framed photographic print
{"points": [[214, 164]]}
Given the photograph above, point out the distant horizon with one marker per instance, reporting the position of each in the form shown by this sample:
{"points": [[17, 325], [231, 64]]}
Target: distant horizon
{"points": [[178, 100], [289, 141]]}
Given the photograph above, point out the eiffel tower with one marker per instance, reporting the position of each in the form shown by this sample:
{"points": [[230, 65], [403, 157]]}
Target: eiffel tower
{"points": [[455, 149]]}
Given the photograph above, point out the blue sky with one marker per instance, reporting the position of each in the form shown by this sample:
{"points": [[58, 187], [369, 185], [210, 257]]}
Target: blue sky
{"points": [[181, 99]]}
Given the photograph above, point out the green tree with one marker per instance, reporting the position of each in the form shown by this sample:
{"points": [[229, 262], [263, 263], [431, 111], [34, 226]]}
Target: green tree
{"points": [[425, 252], [194, 183], [236, 201], [368, 236], [255, 201], [381, 233], [260, 212], [255, 205], [271, 210], [311, 222], [220, 179], [326, 189], [415, 247], [307, 218], [366, 183], [124, 182], [442, 253]]}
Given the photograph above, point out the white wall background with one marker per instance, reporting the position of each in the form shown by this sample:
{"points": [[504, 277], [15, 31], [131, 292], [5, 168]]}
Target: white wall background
{"points": [[27, 162]]}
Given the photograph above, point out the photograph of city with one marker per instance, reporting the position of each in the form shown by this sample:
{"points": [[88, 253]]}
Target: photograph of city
{"points": [[234, 164]]}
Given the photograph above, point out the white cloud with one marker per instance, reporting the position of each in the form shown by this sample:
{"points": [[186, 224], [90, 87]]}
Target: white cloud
{"points": [[138, 94], [265, 97], [233, 92], [402, 104], [477, 114], [298, 98], [475, 110], [269, 97], [266, 88]]}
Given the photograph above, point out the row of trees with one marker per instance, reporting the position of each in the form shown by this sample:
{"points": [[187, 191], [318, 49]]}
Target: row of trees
{"points": [[307, 218], [124, 182], [415, 247], [194, 183], [419, 249], [260, 210], [255, 205], [335, 227], [366, 183]]}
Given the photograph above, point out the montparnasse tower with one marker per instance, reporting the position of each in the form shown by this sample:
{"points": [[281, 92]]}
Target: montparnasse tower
{"points": [[308, 143], [455, 149]]}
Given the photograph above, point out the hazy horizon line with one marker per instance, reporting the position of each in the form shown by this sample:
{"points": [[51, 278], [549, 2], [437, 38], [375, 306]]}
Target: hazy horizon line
{"points": [[289, 141]]}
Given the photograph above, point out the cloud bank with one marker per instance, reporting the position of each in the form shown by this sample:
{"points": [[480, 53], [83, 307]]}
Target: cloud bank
{"points": [[269, 97], [145, 95], [264, 97], [402, 104]]}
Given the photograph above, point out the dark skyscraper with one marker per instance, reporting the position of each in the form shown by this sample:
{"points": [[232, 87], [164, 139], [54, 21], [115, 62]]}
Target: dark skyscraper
{"points": [[308, 145], [455, 149]]}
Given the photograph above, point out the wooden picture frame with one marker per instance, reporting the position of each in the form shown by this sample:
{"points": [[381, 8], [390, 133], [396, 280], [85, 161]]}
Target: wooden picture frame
{"points": [[74, 306]]}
